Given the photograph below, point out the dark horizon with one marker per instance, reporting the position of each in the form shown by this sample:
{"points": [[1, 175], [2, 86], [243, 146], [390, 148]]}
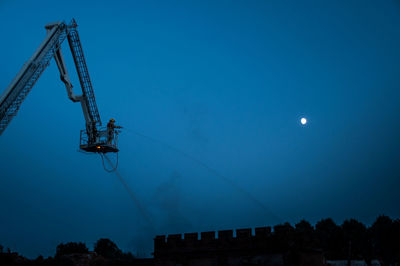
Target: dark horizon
{"points": [[368, 242]]}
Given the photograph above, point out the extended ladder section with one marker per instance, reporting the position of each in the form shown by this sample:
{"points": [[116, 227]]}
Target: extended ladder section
{"points": [[16, 92], [83, 73]]}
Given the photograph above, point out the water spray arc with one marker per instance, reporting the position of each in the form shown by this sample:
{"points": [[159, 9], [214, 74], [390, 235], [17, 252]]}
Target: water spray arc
{"points": [[216, 173]]}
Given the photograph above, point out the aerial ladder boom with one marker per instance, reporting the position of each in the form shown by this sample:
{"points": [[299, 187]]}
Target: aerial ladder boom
{"points": [[94, 138]]}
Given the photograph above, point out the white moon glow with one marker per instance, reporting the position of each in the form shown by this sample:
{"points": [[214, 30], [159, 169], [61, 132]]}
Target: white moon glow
{"points": [[303, 121]]}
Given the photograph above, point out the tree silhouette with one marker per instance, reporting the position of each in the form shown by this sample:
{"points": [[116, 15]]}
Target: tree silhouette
{"points": [[330, 238], [355, 237], [396, 235], [305, 235], [384, 239], [71, 248], [108, 249]]}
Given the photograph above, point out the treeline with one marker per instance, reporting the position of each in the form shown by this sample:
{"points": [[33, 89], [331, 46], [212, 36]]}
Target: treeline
{"points": [[105, 253], [350, 241]]}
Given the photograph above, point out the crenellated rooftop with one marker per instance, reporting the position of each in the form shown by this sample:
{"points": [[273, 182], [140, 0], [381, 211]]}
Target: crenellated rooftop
{"points": [[213, 242]]}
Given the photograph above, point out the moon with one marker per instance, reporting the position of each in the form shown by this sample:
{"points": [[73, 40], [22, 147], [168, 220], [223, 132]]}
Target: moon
{"points": [[303, 121]]}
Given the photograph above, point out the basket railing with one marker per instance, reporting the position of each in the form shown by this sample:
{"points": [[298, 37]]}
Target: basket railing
{"points": [[103, 137]]}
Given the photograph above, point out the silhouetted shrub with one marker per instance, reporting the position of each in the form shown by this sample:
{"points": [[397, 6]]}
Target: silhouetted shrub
{"points": [[98, 261], [64, 261], [108, 249], [71, 248], [127, 256]]}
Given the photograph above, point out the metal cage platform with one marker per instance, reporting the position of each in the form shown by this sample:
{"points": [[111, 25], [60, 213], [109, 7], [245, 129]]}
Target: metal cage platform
{"points": [[103, 143]]}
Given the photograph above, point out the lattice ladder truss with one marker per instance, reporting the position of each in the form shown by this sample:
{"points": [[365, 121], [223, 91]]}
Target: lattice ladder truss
{"points": [[12, 102], [83, 73]]}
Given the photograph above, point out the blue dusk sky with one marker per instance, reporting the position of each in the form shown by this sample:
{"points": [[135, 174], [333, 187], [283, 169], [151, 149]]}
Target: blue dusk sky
{"points": [[210, 95]]}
